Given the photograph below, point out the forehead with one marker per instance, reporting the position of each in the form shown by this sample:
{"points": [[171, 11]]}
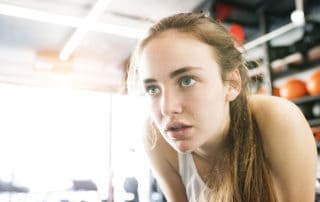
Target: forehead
{"points": [[172, 50]]}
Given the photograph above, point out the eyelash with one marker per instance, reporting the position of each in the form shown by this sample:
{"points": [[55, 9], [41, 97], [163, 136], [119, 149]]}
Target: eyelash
{"points": [[148, 88]]}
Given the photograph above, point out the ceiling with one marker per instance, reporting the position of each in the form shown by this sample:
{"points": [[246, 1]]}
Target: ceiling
{"points": [[98, 60], [30, 45]]}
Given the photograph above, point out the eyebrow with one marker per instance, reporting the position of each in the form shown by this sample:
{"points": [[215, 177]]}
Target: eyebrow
{"points": [[173, 74]]}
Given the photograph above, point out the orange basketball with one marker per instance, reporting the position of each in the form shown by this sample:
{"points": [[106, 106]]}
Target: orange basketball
{"points": [[293, 88], [317, 136], [313, 83], [276, 91]]}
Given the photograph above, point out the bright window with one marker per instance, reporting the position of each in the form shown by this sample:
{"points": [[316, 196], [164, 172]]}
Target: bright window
{"points": [[51, 136]]}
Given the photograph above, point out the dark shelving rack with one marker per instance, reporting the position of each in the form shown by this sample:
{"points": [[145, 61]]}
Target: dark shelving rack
{"points": [[314, 122], [306, 99], [296, 69]]}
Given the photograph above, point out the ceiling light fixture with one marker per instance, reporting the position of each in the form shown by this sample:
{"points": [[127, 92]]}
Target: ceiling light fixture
{"points": [[270, 36], [70, 21], [297, 18], [78, 35], [40, 16]]}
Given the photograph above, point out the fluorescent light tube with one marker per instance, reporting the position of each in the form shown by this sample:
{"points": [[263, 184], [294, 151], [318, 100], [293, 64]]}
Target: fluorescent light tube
{"points": [[79, 34], [70, 21]]}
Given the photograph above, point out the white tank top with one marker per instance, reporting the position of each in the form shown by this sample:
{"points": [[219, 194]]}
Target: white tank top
{"points": [[190, 177]]}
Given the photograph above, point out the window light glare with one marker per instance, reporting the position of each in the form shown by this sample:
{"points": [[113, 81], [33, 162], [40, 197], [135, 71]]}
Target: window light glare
{"points": [[70, 21], [46, 66]]}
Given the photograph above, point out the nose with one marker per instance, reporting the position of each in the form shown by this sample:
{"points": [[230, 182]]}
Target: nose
{"points": [[170, 103]]}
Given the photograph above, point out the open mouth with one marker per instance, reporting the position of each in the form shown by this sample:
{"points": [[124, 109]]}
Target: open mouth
{"points": [[178, 128], [178, 131]]}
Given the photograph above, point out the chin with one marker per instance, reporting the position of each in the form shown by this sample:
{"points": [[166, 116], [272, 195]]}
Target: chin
{"points": [[183, 148]]}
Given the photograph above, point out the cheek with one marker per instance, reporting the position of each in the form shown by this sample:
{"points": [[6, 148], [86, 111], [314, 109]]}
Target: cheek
{"points": [[208, 104]]}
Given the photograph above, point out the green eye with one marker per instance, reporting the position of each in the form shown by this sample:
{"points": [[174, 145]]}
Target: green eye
{"points": [[152, 90], [187, 81]]}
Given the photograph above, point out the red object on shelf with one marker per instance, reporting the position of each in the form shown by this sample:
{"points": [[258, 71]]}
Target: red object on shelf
{"points": [[317, 136], [313, 83], [293, 89], [237, 32], [223, 11], [316, 133]]}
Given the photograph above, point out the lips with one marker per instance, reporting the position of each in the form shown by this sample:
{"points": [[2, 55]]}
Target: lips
{"points": [[177, 130]]}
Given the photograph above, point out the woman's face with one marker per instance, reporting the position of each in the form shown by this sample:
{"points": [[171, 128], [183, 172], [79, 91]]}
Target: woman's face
{"points": [[187, 97]]}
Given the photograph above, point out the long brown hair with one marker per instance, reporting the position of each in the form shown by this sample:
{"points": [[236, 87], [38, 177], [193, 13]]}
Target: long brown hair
{"points": [[245, 175]]}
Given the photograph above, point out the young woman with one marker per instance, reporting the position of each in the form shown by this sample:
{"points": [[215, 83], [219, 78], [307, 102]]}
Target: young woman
{"points": [[208, 139]]}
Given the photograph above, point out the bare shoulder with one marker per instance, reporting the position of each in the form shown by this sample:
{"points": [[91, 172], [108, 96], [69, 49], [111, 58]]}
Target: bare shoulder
{"points": [[271, 105], [289, 146], [278, 117], [164, 164]]}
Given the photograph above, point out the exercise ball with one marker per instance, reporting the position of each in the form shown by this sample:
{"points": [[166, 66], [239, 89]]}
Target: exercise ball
{"points": [[316, 133], [313, 83], [293, 89]]}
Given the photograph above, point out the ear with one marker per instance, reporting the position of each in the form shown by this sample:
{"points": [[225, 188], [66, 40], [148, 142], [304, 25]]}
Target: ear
{"points": [[233, 84]]}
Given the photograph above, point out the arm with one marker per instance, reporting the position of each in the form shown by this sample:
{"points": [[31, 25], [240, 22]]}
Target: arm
{"points": [[289, 146], [164, 164]]}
